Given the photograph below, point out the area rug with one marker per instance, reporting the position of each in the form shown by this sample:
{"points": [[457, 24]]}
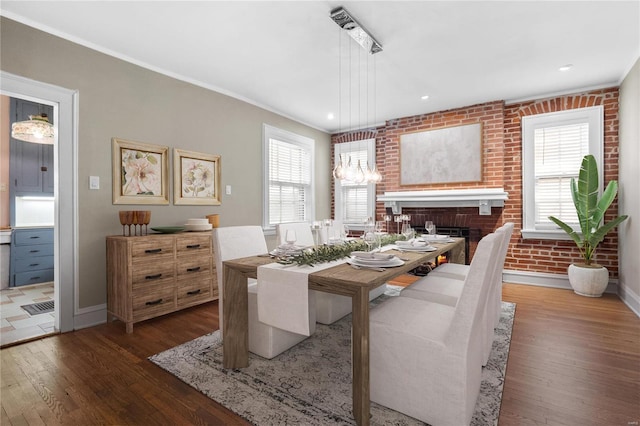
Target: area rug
{"points": [[310, 384]]}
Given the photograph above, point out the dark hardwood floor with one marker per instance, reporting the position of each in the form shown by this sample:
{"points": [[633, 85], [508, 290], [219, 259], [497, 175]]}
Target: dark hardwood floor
{"points": [[573, 361]]}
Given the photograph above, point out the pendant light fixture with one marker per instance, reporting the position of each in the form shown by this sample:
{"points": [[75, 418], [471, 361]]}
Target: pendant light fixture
{"points": [[348, 170], [36, 129]]}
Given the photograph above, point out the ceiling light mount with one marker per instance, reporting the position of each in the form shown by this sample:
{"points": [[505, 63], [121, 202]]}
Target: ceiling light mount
{"points": [[357, 32]]}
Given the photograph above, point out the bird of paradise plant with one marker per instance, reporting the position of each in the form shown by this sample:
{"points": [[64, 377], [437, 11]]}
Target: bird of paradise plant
{"points": [[590, 210]]}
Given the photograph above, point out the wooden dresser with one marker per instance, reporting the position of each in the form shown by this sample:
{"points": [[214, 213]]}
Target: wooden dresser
{"points": [[153, 275]]}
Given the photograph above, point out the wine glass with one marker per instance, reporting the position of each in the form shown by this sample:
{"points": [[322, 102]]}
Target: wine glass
{"points": [[379, 230], [328, 223], [429, 227], [316, 225], [387, 221], [369, 238], [123, 220], [398, 220], [407, 231], [290, 238], [146, 218]]}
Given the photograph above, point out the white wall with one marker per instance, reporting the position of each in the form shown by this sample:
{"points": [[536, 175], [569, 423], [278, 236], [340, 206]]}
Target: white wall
{"points": [[629, 189]]}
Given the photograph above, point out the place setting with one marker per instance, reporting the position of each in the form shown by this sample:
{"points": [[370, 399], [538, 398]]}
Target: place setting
{"points": [[373, 260]]}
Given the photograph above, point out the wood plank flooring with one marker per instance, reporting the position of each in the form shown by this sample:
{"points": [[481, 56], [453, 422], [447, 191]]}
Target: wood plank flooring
{"points": [[573, 361]]}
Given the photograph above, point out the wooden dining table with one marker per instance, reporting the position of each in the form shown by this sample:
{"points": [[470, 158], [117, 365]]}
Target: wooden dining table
{"points": [[341, 279]]}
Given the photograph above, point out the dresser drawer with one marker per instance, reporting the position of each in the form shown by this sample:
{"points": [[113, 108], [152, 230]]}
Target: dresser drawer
{"points": [[194, 244], [193, 267], [193, 293], [33, 263], [34, 277], [161, 249], [33, 236], [152, 272], [153, 304], [21, 252]]}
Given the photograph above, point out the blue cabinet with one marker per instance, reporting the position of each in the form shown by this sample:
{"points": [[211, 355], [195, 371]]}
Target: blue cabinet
{"points": [[31, 164], [32, 257]]}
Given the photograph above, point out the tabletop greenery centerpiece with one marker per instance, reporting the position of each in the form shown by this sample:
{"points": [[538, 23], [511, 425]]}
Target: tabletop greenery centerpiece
{"points": [[329, 253]]}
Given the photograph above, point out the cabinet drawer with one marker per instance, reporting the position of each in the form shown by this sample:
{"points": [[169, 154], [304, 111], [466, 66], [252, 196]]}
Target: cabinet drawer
{"points": [[33, 236], [160, 249], [34, 277], [153, 304], [21, 252], [192, 267], [194, 293], [153, 272], [34, 263], [192, 244]]}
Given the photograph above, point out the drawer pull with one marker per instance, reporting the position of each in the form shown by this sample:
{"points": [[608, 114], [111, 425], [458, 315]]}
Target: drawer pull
{"points": [[34, 237], [194, 292], [193, 246], [154, 302], [34, 251], [34, 264], [34, 278], [152, 277], [197, 268], [158, 250]]}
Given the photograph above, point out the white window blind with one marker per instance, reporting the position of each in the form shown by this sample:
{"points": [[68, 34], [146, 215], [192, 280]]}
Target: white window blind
{"points": [[289, 177], [553, 147], [558, 154]]}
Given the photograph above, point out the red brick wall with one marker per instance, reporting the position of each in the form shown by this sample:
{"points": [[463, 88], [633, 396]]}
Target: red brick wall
{"points": [[502, 151], [545, 255]]}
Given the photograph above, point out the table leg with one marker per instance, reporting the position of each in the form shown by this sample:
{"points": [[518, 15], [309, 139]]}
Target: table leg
{"points": [[360, 348], [235, 321]]}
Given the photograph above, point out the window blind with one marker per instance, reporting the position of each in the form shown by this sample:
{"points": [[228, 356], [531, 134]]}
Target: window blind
{"points": [[355, 197], [289, 181], [558, 154]]}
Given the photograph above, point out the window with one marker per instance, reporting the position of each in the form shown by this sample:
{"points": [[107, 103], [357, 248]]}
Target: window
{"points": [[355, 202], [288, 178], [553, 146]]}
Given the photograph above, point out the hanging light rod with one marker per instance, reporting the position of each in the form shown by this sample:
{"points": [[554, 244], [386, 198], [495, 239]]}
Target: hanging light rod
{"points": [[357, 32]]}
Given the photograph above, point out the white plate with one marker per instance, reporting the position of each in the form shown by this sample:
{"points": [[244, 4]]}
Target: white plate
{"points": [[204, 227], [378, 264], [436, 237], [417, 248]]}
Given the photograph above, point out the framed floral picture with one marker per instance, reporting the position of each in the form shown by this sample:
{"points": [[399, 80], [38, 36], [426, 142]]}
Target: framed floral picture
{"points": [[140, 173], [196, 178]]}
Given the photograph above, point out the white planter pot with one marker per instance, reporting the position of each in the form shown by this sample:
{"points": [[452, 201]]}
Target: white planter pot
{"points": [[590, 281]]}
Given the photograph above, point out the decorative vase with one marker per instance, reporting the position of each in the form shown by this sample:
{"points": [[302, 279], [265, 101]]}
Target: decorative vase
{"points": [[590, 281]]}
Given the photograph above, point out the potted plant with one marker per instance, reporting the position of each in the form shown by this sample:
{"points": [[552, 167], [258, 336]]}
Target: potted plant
{"points": [[588, 278]]}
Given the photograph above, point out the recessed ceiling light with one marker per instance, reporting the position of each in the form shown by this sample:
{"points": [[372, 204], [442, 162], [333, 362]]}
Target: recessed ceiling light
{"points": [[565, 67], [425, 97], [330, 116]]}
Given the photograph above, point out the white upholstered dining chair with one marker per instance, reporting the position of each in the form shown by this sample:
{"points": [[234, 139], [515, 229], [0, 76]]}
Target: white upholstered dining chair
{"points": [[234, 242], [426, 357], [445, 283], [329, 307]]}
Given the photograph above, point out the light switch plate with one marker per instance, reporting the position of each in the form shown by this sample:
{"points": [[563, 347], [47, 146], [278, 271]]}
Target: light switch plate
{"points": [[94, 182], [228, 189]]}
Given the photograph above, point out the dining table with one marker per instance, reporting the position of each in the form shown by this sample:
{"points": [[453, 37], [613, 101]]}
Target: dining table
{"points": [[341, 279]]}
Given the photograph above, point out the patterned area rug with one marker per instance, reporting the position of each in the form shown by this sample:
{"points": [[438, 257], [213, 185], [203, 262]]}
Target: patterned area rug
{"points": [[310, 383]]}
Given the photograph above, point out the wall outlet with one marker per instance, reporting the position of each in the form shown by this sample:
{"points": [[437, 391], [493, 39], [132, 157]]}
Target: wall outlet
{"points": [[3, 187], [94, 182]]}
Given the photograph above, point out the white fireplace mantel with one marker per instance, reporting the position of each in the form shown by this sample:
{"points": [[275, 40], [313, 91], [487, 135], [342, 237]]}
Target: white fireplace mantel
{"points": [[483, 198]]}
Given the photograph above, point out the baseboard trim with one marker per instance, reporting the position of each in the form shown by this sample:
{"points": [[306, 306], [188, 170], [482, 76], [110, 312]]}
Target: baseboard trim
{"points": [[543, 279], [90, 316], [630, 298]]}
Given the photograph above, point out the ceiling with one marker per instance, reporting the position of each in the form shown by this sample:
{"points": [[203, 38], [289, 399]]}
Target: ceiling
{"points": [[291, 58]]}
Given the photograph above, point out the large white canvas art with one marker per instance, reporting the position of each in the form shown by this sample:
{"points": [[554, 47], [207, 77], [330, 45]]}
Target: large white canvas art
{"points": [[451, 154]]}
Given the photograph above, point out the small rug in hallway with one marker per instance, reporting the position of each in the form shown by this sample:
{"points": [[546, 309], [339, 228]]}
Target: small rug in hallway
{"points": [[310, 383]]}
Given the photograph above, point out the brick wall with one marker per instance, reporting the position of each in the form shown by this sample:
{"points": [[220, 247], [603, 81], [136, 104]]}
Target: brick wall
{"points": [[502, 149]]}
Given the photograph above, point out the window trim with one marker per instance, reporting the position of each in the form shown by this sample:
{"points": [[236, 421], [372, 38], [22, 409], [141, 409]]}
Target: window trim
{"points": [[271, 132], [344, 148], [592, 115]]}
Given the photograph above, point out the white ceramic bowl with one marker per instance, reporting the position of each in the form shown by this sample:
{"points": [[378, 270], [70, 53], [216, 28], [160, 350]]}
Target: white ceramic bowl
{"points": [[203, 227], [197, 221]]}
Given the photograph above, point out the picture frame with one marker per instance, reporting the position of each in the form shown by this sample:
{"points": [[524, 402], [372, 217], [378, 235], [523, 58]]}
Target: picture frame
{"points": [[140, 172], [196, 178], [445, 155]]}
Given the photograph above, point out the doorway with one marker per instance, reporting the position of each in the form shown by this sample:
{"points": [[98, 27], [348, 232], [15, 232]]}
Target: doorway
{"points": [[64, 103]]}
